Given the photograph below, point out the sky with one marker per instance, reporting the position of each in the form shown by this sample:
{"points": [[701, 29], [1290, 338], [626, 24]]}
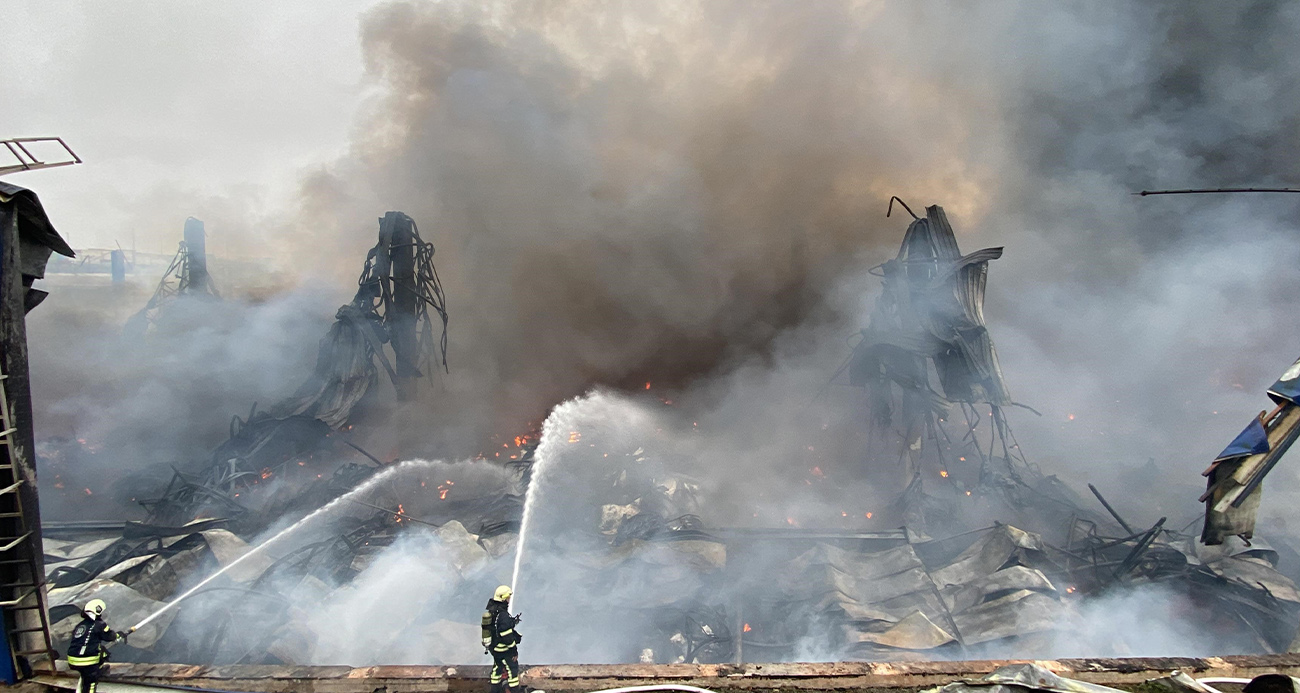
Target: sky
{"points": [[179, 108]]}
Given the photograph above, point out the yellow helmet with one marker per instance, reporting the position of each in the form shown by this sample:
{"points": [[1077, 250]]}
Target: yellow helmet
{"points": [[95, 608], [503, 593]]}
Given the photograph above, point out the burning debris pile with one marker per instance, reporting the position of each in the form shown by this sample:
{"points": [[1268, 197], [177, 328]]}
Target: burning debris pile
{"points": [[626, 560], [276, 464], [397, 288]]}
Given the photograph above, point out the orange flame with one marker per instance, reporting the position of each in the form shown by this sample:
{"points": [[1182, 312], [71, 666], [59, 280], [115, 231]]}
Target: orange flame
{"points": [[943, 473], [574, 436], [747, 628]]}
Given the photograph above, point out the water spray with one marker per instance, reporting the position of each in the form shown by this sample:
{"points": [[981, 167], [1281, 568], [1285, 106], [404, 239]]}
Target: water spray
{"points": [[345, 498], [553, 436]]}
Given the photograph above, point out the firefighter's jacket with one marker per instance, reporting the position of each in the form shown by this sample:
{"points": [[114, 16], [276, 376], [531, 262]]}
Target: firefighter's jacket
{"points": [[499, 634], [88, 638]]}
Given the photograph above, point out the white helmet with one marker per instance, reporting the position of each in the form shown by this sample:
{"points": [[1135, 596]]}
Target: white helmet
{"points": [[95, 608]]}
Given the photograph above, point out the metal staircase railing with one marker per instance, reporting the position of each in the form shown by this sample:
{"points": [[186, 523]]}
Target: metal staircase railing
{"points": [[23, 592]]}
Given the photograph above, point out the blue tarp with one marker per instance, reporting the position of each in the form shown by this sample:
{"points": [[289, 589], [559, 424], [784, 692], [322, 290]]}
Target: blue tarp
{"points": [[8, 674], [1287, 388], [1252, 441]]}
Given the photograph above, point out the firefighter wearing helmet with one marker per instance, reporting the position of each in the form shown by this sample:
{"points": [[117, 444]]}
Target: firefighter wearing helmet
{"points": [[86, 652], [501, 640]]}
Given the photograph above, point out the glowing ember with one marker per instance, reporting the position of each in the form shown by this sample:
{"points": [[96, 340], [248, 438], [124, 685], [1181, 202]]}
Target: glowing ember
{"points": [[868, 515], [747, 628], [574, 436], [943, 473], [647, 385], [817, 472], [968, 493], [1070, 417], [789, 521], [88, 492]]}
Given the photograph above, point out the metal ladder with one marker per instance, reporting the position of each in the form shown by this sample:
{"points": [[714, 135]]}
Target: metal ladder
{"points": [[24, 590]]}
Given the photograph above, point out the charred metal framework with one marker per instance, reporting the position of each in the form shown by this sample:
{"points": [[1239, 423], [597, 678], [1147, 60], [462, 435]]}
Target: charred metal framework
{"points": [[398, 290], [398, 286], [928, 363], [187, 275]]}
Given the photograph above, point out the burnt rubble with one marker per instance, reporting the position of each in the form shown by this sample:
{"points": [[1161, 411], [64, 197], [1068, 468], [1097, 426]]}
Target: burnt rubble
{"points": [[397, 289], [687, 591], [678, 587]]}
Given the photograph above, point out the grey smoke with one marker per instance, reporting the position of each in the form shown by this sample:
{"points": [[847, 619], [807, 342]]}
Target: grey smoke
{"points": [[690, 193]]}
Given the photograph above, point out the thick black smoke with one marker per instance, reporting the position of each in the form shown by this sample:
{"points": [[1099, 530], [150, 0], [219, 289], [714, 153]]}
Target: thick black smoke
{"points": [[688, 194], [626, 193]]}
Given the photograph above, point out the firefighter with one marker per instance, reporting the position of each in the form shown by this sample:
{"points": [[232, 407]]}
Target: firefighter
{"points": [[501, 640], [86, 652]]}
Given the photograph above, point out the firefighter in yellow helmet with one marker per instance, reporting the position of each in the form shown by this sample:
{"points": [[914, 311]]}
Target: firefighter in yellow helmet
{"points": [[86, 652], [501, 640]]}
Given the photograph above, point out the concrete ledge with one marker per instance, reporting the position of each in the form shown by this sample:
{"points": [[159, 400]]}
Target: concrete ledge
{"points": [[896, 677]]}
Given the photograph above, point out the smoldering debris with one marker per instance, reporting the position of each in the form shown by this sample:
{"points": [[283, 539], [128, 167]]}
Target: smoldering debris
{"points": [[398, 288], [628, 559], [627, 578]]}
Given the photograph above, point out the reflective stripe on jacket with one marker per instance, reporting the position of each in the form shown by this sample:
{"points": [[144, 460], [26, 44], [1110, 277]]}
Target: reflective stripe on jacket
{"points": [[499, 628]]}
